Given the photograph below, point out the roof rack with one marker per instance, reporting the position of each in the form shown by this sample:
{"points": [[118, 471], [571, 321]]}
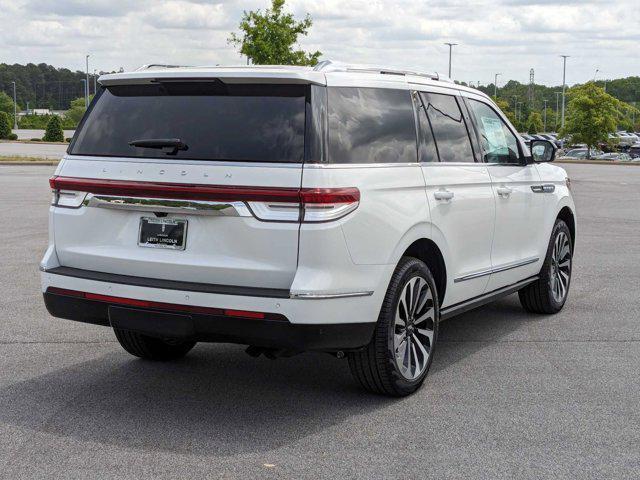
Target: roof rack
{"points": [[158, 65], [332, 66]]}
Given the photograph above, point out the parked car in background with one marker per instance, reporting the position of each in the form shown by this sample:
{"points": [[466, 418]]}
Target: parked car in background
{"points": [[634, 150], [551, 138], [580, 153], [341, 208], [614, 157], [626, 139]]}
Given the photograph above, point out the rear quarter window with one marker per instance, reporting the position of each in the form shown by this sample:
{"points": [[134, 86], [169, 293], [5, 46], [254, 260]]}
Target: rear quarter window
{"points": [[371, 125], [217, 121]]}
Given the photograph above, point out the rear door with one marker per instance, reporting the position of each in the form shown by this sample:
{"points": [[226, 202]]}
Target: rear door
{"points": [[519, 210], [195, 181], [459, 194]]}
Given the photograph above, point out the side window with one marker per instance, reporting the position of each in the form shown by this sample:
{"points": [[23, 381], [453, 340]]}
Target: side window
{"points": [[371, 125], [498, 144], [427, 151], [449, 127]]}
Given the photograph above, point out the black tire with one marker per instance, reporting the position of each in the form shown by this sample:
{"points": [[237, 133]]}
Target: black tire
{"points": [[375, 366], [151, 348], [539, 297]]}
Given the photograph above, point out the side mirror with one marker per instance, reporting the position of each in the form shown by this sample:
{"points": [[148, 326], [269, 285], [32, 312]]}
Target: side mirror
{"points": [[543, 151]]}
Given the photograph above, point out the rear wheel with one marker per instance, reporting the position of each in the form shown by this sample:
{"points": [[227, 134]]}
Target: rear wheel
{"points": [[399, 356], [152, 348], [549, 293]]}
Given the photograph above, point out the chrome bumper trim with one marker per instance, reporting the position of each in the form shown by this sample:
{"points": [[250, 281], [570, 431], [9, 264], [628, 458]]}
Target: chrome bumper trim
{"points": [[193, 207], [324, 296]]}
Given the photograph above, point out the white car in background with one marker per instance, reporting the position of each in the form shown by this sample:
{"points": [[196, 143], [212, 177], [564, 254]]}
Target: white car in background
{"points": [[345, 209], [626, 139]]}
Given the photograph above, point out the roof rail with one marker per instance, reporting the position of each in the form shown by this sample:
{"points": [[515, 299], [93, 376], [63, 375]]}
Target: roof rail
{"points": [[158, 65], [332, 66]]}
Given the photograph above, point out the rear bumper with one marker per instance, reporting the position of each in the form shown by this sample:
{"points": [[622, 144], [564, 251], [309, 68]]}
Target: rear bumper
{"points": [[277, 332]]}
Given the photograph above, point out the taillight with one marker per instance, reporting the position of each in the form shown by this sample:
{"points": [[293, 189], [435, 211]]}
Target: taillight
{"points": [[325, 204], [315, 205], [275, 204]]}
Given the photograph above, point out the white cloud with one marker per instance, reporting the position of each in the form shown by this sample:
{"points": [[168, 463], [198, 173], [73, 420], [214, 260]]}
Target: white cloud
{"points": [[509, 36]]}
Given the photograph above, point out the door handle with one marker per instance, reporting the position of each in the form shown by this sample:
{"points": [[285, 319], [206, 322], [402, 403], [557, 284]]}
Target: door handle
{"points": [[503, 191], [443, 194]]}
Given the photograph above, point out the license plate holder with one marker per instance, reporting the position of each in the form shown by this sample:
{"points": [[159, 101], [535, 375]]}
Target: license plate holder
{"points": [[159, 232]]}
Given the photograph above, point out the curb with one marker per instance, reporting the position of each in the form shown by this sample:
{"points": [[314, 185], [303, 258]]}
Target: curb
{"points": [[50, 163], [29, 142]]}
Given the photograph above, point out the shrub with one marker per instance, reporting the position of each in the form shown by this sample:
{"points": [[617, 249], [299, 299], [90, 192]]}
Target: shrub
{"points": [[5, 125], [68, 139], [53, 132], [36, 139], [12, 136]]}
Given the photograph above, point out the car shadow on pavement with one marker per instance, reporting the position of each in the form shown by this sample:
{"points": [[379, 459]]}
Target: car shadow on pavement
{"points": [[218, 400], [460, 337]]}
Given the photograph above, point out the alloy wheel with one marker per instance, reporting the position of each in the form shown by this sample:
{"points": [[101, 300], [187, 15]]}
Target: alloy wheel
{"points": [[414, 328], [560, 267]]}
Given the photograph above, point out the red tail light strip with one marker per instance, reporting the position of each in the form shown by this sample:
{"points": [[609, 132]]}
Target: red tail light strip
{"points": [[206, 192], [132, 302]]}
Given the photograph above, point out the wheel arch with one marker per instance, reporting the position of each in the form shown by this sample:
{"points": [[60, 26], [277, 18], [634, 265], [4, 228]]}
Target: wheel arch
{"points": [[567, 215], [428, 251]]}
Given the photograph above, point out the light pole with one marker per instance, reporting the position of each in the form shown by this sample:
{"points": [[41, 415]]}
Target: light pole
{"points": [[95, 81], [86, 84], [557, 108], [15, 108], [544, 129], [451, 45], [564, 85], [495, 85], [595, 74]]}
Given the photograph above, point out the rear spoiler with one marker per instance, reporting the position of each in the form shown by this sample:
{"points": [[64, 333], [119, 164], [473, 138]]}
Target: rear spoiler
{"points": [[226, 74]]}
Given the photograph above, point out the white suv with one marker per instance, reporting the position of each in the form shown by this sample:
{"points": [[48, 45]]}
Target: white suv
{"points": [[343, 209]]}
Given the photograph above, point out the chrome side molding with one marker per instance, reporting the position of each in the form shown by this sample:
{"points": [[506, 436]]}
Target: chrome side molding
{"points": [[193, 207], [498, 269]]}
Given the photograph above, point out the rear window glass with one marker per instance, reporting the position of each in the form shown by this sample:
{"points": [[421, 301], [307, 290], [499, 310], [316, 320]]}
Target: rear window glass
{"points": [[371, 125], [216, 121]]}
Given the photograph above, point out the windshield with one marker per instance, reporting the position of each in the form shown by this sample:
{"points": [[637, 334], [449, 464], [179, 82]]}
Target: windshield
{"points": [[209, 120]]}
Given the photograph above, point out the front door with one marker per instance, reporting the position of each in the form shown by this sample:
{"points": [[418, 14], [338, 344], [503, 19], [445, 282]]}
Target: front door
{"points": [[519, 210]]}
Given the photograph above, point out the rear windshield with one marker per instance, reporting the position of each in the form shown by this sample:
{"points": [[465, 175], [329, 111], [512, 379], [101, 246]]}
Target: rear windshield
{"points": [[212, 120]]}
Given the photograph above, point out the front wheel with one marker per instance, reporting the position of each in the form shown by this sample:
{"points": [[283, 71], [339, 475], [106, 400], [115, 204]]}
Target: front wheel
{"points": [[398, 358], [549, 293]]}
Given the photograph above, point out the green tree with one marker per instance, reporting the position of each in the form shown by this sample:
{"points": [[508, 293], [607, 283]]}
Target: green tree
{"points": [[534, 123], [5, 125], [6, 104], [75, 113], [506, 109], [550, 119], [270, 38], [53, 132], [591, 116]]}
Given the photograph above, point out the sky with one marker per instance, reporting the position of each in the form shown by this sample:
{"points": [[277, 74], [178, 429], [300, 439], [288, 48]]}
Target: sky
{"points": [[502, 36]]}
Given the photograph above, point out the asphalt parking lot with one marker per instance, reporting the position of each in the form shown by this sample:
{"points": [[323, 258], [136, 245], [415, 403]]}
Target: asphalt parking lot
{"points": [[510, 394]]}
